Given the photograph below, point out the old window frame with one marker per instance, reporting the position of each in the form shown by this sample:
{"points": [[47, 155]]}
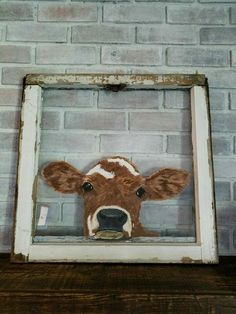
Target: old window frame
{"points": [[204, 250]]}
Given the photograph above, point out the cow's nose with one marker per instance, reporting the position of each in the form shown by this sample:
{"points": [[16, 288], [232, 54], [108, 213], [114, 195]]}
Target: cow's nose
{"points": [[111, 219]]}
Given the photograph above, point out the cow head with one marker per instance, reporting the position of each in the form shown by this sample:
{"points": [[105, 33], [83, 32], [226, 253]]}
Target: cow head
{"points": [[113, 191]]}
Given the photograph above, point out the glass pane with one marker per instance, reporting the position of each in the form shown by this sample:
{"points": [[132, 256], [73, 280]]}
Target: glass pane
{"points": [[151, 128]]}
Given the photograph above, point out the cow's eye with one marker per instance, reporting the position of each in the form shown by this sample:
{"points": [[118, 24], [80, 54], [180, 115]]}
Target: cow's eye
{"points": [[87, 186], [140, 192]]}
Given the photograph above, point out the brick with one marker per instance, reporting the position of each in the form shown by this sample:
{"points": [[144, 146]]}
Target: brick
{"points": [[233, 100], [15, 75], [226, 214], [193, 15], [16, 12], [1, 33], [36, 32], [222, 145], [223, 240], [99, 68], [187, 196], [9, 119], [102, 34], [177, 99], [8, 163], [6, 238], [225, 168], [234, 57], [235, 145], [128, 143], [159, 121], [234, 221], [130, 55], [10, 96], [223, 122], [131, 13], [7, 189], [6, 214], [221, 1], [217, 99], [85, 163], [179, 144], [8, 142], [216, 35], [148, 165], [69, 98], [62, 142], [45, 193], [55, 12], [233, 15], [156, 215], [102, 0], [62, 54], [45, 158], [222, 78], [131, 99], [177, 1], [95, 120], [73, 214], [222, 191], [167, 34], [197, 57], [50, 120], [15, 54], [179, 231], [234, 245], [54, 213]]}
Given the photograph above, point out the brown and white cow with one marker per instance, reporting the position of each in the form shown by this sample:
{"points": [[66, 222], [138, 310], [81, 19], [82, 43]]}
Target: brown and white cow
{"points": [[113, 191]]}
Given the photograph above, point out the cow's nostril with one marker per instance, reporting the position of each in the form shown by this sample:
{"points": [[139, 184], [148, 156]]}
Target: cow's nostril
{"points": [[111, 219]]}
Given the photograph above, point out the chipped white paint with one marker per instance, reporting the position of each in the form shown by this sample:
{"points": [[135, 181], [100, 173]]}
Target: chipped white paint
{"points": [[205, 211], [135, 80], [202, 251], [28, 157], [126, 164], [117, 252], [101, 171]]}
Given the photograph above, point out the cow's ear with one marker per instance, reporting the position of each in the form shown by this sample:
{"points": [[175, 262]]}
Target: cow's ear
{"points": [[166, 183], [63, 177]]}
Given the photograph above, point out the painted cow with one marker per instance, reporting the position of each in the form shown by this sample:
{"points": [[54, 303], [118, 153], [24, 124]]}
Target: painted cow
{"points": [[113, 191]]}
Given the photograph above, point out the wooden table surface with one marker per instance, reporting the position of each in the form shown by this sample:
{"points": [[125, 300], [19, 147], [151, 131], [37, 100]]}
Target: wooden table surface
{"points": [[117, 288]]}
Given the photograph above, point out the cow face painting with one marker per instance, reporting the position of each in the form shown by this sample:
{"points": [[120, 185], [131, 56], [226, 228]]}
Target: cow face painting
{"points": [[113, 191]]}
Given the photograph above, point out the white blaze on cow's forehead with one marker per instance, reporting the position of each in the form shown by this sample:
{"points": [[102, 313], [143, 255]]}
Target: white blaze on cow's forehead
{"points": [[101, 171], [125, 163]]}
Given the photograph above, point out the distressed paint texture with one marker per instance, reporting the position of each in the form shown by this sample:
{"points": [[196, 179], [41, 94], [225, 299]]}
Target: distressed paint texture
{"points": [[117, 38]]}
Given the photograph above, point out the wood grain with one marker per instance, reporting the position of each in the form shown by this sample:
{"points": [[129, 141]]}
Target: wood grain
{"points": [[117, 288]]}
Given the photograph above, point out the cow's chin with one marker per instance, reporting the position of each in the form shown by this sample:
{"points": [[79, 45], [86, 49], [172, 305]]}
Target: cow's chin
{"points": [[109, 223], [109, 235]]}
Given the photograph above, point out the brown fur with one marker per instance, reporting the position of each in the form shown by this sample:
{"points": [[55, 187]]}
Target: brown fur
{"points": [[120, 190]]}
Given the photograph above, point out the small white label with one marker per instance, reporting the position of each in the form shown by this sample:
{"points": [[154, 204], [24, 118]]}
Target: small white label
{"points": [[43, 216]]}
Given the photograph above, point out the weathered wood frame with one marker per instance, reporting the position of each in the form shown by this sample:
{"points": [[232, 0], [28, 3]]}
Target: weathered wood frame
{"points": [[204, 250]]}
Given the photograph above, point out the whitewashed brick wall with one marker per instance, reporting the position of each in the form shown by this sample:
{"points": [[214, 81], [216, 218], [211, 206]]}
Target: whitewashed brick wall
{"points": [[179, 36], [150, 127]]}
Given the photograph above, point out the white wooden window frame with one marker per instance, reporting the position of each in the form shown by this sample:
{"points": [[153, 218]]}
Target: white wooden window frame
{"points": [[204, 250]]}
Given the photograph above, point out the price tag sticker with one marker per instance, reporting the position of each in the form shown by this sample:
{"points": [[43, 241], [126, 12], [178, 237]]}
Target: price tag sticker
{"points": [[43, 216]]}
